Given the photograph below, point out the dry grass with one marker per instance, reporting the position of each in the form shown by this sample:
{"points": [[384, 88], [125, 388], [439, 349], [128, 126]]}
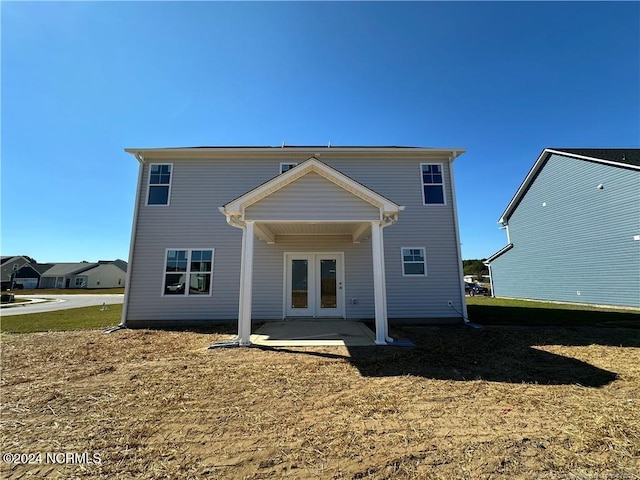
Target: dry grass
{"points": [[500, 403]]}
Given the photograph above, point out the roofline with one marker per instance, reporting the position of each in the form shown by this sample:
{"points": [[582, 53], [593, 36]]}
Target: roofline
{"points": [[177, 152], [537, 166], [498, 254], [593, 159], [237, 205]]}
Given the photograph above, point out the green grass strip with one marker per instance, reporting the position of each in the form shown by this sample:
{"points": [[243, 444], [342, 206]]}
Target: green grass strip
{"points": [[499, 311], [84, 318]]}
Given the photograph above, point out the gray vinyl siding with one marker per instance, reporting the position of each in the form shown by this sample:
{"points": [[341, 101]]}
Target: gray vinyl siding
{"points": [[301, 199], [580, 241], [192, 221]]}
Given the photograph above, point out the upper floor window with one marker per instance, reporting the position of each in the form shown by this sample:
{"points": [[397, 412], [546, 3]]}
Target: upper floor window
{"points": [[432, 184], [413, 261], [159, 184], [286, 166], [188, 272]]}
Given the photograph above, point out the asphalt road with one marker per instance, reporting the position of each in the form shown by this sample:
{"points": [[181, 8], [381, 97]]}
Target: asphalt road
{"points": [[59, 302]]}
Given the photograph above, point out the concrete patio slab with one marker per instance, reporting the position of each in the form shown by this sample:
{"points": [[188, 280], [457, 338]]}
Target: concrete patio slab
{"points": [[309, 333]]}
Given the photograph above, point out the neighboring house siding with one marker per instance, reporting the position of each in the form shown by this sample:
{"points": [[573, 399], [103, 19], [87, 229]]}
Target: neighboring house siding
{"points": [[312, 197], [102, 276], [192, 221], [581, 241]]}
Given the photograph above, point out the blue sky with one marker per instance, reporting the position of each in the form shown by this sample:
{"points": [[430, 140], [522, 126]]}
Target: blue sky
{"points": [[83, 80]]}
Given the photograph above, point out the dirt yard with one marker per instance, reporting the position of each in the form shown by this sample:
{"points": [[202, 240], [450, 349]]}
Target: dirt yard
{"points": [[499, 403]]}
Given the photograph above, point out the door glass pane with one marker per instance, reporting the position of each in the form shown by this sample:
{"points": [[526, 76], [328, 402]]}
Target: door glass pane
{"points": [[299, 289], [328, 286]]}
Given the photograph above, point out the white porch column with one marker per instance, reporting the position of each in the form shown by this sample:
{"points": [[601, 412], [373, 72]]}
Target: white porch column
{"points": [[379, 289], [384, 287], [246, 285]]}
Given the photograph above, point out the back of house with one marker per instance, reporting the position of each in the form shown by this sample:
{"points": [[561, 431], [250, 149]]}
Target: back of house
{"points": [[573, 230], [293, 232]]}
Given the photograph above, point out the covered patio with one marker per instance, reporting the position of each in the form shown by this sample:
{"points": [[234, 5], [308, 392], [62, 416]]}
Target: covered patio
{"points": [[312, 198]]}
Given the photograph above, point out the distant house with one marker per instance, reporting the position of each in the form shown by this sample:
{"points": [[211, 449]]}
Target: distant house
{"points": [[11, 264], [573, 230], [102, 274], [29, 275]]}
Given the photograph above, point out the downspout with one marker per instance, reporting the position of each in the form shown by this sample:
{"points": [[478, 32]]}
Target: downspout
{"points": [[465, 314], [132, 243], [387, 221], [490, 279], [235, 342]]}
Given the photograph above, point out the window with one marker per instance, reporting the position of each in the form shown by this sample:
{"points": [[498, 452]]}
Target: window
{"points": [[413, 261], [159, 184], [79, 282], [432, 184], [188, 272], [284, 167]]}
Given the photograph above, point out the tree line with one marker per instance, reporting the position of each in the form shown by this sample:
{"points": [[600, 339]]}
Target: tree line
{"points": [[477, 268]]}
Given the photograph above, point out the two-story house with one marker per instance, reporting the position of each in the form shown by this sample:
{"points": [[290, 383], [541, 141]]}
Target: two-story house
{"points": [[273, 233], [573, 230]]}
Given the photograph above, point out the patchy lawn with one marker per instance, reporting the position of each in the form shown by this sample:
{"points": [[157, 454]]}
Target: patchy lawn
{"points": [[500, 403]]}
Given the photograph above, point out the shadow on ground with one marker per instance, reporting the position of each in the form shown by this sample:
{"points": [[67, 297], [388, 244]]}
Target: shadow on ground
{"points": [[497, 354], [566, 316]]}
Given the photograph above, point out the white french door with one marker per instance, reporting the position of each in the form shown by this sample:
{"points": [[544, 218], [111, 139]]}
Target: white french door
{"points": [[314, 285]]}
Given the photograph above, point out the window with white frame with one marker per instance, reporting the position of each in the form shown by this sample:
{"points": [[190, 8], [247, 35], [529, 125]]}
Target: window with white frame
{"points": [[188, 272], [284, 167], [159, 184], [414, 261], [432, 184], [79, 282]]}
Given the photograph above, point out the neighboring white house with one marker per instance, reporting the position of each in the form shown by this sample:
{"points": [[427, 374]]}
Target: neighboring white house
{"points": [[267, 233], [102, 274]]}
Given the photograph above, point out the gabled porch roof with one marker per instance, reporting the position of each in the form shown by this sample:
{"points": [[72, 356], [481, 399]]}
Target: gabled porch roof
{"points": [[357, 205]]}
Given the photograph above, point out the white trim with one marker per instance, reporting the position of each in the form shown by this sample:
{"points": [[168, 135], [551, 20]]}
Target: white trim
{"points": [[593, 159], [422, 184], [498, 253], [147, 204], [307, 221], [312, 285], [424, 261], [188, 273], [296, 152]]}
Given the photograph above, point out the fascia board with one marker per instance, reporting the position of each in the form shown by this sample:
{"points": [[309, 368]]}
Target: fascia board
{"points": [[285, 152], [593, 159], [498, 254], [524, 186], [537, 166]]}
